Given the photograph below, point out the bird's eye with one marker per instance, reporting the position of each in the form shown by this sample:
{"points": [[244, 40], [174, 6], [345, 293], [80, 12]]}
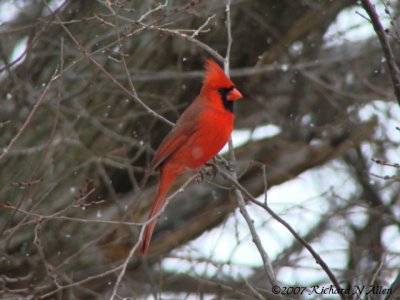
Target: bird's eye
{"points": [[225, 91]]}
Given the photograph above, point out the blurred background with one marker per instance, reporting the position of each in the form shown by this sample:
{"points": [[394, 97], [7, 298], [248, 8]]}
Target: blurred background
{"points": [[82, 87]]}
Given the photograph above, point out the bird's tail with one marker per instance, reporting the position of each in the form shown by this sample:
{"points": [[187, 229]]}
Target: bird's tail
{"points": [[166, 180]]}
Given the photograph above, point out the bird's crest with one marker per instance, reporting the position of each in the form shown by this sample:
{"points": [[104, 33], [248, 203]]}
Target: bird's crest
{"points": [[215, 76]]}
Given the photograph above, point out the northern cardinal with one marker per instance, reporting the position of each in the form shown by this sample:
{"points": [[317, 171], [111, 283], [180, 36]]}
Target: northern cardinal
{"points": [[199, 134]]}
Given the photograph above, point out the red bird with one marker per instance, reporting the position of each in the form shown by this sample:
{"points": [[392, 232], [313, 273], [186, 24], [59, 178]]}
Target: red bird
{"points": [[199, 134]]}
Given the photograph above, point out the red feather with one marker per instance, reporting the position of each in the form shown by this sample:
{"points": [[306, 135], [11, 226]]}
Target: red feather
{"points": [[199, 134], [215, 76]]}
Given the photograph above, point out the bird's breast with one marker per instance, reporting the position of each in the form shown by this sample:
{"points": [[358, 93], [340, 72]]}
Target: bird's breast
{"points": [[211, 136]]}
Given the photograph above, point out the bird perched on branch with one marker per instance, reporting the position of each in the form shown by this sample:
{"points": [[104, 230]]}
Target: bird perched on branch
{"points": [[199, 134]]}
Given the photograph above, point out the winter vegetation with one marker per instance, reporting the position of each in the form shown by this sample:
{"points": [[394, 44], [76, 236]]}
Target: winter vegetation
{"points": [[304, 203]]}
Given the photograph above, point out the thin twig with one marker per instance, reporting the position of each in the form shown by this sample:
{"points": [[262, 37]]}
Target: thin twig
{"points": [[122, 55], [378, 270], [255, 292], [150, 11], [123, 267], [387, 50], [38, 243], [316, 256], [202, 45], [85, 53], [229, 36], [28, 120], [104, 129], [198, 30], [56, 216], [176, 32], [264, 169], [394, 287], [136, 245], [232, 162]]}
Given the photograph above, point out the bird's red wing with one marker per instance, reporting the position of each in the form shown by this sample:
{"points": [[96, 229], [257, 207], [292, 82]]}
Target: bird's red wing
{"points": [[185, 127], [173, 141]]}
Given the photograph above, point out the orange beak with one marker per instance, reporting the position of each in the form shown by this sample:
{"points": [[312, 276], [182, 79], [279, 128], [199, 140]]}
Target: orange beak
{"points": [[234, 95]]}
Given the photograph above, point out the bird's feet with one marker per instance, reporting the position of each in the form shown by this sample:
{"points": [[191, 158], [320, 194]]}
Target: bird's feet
{"points": [[208, 170], [229, 165], [211, 169]]}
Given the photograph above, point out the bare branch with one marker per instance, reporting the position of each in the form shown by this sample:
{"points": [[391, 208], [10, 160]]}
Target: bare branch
{"points": [[387, 50], [112, 78], [28, 120], [317, 257], [124, 266], [198, 30], [232, 161]]}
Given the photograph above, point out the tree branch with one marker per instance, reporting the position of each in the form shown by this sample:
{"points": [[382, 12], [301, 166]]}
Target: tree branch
{"points": [[232, 161], [317, 257], [28, 120], [387, 50]]}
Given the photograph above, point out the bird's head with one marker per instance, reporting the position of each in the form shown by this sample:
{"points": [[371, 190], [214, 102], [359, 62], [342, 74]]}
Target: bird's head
{"points": [[217, 83]]}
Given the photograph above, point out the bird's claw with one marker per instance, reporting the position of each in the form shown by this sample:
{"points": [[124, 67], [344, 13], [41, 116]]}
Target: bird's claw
{"points": [[229, 165], [200, 176], [209, 170]]}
